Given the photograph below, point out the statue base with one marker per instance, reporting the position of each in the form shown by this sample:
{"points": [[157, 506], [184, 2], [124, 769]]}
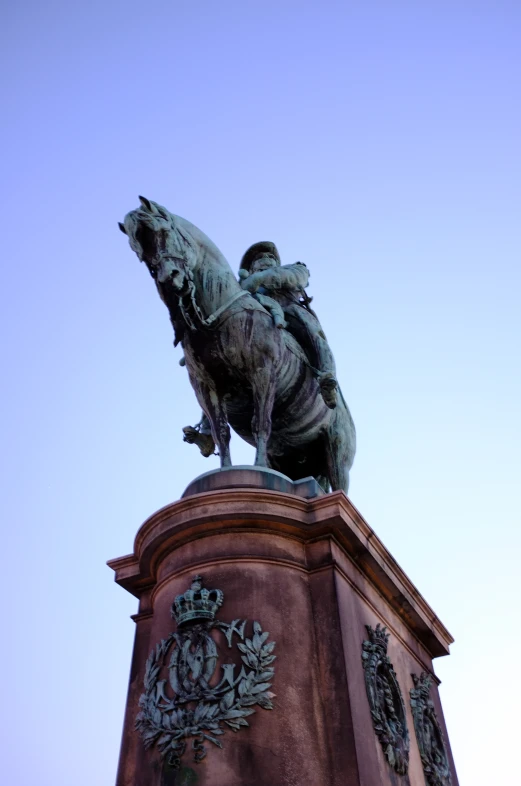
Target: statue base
{"points": [[305, 567]]}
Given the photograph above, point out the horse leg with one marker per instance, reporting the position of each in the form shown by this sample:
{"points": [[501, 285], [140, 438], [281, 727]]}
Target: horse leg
{"points": [[263, 384], [323, 482], [340, 445], [216, 414], [338, 473]]}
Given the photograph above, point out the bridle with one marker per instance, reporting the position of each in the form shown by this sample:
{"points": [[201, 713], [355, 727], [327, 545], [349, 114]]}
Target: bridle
{"points": [[204, 322]]}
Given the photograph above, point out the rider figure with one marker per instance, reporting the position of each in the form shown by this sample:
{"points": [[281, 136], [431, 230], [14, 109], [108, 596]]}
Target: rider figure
{"points": [[280, 289]]}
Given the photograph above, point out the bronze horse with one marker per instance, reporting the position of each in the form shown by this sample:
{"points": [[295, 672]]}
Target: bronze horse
{"points": [[246, 373]]}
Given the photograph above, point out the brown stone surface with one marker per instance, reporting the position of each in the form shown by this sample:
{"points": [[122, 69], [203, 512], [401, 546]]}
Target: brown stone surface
{"points": [[314, 574]]}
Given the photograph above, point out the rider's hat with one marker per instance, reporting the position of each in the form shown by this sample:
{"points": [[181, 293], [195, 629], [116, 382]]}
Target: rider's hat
{"points": [[258, 250]]}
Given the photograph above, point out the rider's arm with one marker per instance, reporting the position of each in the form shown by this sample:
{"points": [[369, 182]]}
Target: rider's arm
{"points": [[291, 277]]}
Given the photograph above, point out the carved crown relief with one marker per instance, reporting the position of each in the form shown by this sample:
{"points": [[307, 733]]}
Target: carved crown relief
{"points": [[185, 697], [429, 735], [385, 700]]}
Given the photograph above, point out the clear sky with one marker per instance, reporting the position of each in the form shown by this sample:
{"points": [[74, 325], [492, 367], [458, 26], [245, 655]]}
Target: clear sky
{"points": [[376, 141]]}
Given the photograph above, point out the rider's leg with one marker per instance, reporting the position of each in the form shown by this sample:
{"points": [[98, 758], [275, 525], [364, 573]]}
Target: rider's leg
{"points": [[310, 334], [273, 307]]}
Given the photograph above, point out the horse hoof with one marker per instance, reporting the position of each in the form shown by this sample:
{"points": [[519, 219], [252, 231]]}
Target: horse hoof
{"points": [[190, 434], [204, 442]]}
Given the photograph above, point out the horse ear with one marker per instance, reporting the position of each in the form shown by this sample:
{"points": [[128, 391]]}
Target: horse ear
{"points": [[145, 203], [122, 227]]}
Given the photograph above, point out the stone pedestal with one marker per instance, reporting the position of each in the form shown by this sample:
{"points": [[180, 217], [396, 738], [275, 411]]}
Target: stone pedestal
{"points": [[307, 567]]}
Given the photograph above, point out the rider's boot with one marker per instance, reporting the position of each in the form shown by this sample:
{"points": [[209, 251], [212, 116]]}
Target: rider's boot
{"points": [[328, 389]]}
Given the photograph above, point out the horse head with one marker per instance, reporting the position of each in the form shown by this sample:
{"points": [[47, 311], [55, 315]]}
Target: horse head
{"points": [[186, 266], [163, 243]]}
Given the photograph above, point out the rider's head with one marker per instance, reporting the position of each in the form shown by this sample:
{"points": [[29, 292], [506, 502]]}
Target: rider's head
{"points": [[260, 256]]}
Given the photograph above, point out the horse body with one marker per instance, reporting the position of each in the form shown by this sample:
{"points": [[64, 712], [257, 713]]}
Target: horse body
{"points": [[244, 371]]}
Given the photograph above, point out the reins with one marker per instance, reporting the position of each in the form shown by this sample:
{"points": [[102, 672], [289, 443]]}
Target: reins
{"points": [[205, 322]]}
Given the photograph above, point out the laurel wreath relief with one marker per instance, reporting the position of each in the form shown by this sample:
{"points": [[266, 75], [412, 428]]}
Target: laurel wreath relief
{"points": [[385, 700], [431, 743], [169, 723]]}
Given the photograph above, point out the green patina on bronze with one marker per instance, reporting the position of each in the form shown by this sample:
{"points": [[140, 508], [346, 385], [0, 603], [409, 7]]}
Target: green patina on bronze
{"points": [[184, 704], [385, 700], [255, 352], [170, 776], [429, 735]]}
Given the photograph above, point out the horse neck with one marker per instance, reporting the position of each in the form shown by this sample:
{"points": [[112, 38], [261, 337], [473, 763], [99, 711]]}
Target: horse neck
{"points": [[215, 283]]}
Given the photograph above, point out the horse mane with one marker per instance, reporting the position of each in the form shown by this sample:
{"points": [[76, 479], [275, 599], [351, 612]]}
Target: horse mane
{"points": [[213, 276]]}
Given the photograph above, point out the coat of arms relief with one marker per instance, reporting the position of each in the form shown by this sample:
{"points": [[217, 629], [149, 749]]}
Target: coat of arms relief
{"points": [[433, 752], [385, 700], [187, 699]]}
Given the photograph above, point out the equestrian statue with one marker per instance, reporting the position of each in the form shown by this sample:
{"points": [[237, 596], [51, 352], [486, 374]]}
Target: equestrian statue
{"points": [[255, 351]]}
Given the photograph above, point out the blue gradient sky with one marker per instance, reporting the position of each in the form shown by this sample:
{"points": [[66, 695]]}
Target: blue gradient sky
{"points": [[377, 142]]}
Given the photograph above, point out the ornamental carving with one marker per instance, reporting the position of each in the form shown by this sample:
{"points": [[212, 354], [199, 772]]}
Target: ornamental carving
{"points": [[385, 700], [429, 735], [186, 699]]}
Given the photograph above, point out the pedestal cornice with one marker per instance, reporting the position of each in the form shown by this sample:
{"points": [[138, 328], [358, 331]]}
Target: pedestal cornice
{"points": [[331, 516]]}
